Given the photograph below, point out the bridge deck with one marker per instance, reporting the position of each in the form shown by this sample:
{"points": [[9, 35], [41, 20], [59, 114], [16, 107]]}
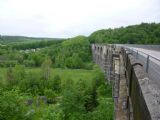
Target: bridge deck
{"points": [[122, 112]]}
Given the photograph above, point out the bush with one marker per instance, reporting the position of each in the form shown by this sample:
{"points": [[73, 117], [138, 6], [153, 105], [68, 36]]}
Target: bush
{"points": [[57, 83], [11, 106], [88, 66], [53, 113], [49, 93], [29, 63], [102, 91], [32, 84]]}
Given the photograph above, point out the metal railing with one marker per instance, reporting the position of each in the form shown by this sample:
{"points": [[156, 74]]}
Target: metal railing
{"points": [[151, 64], [148, 47]]}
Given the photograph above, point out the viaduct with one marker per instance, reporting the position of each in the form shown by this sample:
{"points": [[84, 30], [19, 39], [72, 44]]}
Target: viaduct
{"points": [[135, 76]]}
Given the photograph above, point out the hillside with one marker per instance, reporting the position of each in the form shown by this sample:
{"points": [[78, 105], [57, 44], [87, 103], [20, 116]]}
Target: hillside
{"points": [[16, 39], [46, 80], [144, 33]]}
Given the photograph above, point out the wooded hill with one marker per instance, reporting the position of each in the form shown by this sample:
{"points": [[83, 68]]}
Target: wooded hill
{"points": [[145, 33], [14, 39]]}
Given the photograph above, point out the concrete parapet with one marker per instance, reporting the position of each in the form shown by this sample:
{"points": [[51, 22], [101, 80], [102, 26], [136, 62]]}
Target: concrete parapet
{"points": [[145, 98]]}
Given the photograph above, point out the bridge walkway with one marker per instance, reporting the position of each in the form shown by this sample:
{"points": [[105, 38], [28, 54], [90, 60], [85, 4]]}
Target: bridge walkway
{"points": [[121, 112]]}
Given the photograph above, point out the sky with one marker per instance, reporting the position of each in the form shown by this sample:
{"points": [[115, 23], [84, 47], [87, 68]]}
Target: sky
{"points": [[69, 18]]}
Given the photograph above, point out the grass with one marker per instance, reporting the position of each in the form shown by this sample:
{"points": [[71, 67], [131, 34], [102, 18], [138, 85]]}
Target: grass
{"points": [[66, 74], [74, 74]]}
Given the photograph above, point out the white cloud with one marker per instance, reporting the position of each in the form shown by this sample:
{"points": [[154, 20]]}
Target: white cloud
{"points": [[67, 18]]}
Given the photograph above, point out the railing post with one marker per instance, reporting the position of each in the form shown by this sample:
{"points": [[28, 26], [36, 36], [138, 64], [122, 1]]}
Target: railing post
{"points": [[147, 64]]}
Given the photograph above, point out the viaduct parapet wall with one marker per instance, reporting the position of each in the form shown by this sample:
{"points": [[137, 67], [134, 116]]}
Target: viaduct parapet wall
{"points": [[145, 99]]}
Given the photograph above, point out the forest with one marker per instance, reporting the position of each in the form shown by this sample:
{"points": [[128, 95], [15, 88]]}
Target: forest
{"points": [[144, 33], [52, 80], [56, 79]]}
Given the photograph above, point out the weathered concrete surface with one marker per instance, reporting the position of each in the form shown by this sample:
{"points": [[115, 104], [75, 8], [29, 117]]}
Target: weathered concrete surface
{"points": [[140, 108], [150, 93], [144, 95]]}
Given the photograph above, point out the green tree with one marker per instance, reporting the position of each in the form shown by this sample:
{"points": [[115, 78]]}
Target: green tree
{"points": [[92, 101], [57, 83], [32, 84], [16, 75], [19, 72], [72, 103], [46, 69], [11, 106], [51, 95], [104, 111], [53, 113], [9, 76], [144, 33]]}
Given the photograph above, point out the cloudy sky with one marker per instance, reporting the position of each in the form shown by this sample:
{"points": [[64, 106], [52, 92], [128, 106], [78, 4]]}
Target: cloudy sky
{"points": [[68, 18]]}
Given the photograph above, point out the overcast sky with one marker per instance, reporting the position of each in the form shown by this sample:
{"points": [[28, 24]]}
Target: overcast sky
{"points": [[68, 18]]}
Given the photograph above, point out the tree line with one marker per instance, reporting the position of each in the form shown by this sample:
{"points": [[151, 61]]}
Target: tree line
{"points": [[71, 53], [144, 33]]}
